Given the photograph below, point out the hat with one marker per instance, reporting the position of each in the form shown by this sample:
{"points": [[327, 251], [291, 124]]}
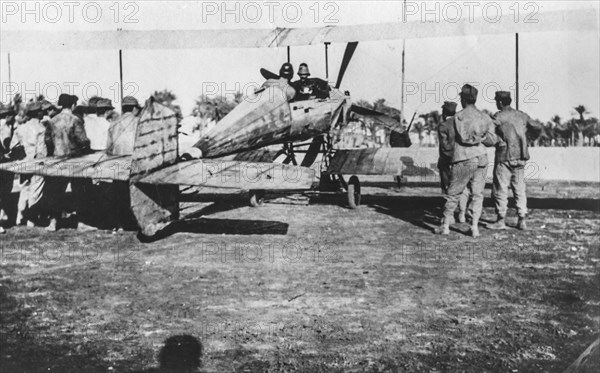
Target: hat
{"points": [[33, 107], [47, 105], [303, 69], [449, 107], [502, 95], [130, 101], [104, 103], [468, 91], [6, 109]]}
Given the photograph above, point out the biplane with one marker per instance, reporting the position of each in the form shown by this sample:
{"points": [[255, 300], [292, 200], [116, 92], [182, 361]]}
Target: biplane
{"points": [[231, 155]]}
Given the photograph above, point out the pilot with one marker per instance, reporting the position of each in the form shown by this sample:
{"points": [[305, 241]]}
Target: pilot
{"points": [[307, 88], [286, 73]]}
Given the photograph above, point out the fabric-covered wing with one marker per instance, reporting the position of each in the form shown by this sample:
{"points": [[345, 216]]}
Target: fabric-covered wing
{"points": [[570, 20], [383, 161], [92, 166], [234, 175]]}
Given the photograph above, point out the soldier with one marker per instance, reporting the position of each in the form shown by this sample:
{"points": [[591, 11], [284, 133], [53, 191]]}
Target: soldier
{"points": [[121, 133], [6, 178], [473, 129], [121, 140], [511, 156], [307, 88], [97, 125], [30, 136], [69, 139], [446, 140]]}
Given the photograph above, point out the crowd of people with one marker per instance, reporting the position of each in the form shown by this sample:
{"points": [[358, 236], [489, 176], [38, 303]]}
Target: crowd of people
{"points": [[43, 129], [463, 159]]}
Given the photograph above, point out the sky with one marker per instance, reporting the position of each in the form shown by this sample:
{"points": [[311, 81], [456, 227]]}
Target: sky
{"points": [[558, 70]]}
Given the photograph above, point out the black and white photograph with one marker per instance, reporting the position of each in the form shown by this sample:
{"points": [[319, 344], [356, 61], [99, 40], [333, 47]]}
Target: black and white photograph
{"points": [[299, 186]]}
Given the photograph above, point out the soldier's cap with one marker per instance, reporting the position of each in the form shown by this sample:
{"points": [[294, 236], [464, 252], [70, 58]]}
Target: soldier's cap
{"points": [[6, 109], [93, 101], [104, 103], [33, 107], [130, 101], [303, 69], [468, 91], [502, 95], [449, 107]]}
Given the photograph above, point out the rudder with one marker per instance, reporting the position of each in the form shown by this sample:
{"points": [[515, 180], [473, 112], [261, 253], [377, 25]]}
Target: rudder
{"points": [[156, 146]]}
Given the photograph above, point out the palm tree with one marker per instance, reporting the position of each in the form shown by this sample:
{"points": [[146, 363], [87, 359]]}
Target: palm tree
{"points": [[578, 125], [581, 110], [214, 108], [166, 97]]}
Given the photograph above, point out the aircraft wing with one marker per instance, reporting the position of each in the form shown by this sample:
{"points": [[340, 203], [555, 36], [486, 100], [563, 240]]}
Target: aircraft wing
{"points": [[382, 161], [218, 173], [13, 40], [96, 165]]}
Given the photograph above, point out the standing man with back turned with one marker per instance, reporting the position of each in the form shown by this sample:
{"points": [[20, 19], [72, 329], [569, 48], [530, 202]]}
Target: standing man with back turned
{"points": [[473, 130], [509, 165]]}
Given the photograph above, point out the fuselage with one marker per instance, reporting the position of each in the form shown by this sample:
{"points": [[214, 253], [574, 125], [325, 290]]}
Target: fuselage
{"points": [[268, 118]]}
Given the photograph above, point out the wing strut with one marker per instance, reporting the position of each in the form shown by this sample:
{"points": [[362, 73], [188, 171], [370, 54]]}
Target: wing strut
{"points": [[350, 48]]}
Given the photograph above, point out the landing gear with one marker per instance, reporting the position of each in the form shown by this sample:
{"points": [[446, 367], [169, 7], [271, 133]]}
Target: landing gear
{"points": [[257, 198], [353, 192]]}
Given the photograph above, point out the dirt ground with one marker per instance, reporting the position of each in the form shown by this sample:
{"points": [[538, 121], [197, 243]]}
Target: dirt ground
{"points": [[290, 287]]}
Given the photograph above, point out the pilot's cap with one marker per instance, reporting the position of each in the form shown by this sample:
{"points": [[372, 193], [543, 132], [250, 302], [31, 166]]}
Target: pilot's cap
{"points": [[502, 95], [449, 107], [303, 69], [286, 71], [468, 91]]}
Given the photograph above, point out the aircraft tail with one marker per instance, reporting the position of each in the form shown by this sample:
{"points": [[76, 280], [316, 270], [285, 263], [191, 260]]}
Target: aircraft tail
{"points": [[156, 146]]}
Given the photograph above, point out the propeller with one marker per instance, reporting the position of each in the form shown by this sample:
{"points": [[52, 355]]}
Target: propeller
{"points": [[268, 74], [350, 48]]}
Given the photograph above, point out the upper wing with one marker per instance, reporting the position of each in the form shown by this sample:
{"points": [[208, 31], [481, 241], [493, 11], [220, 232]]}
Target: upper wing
{"points": [[219, 173], [570, 20], [96, 165]]}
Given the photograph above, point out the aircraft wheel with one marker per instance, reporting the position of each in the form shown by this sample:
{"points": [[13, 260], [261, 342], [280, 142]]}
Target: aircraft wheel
{"points": [[257, 198], [354, 192]]}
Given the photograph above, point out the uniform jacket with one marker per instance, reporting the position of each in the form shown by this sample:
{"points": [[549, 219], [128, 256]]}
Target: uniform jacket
{"points": [[96, 129], [31, 135], [446, 140], [311, 87], [282, 84], [511, 127], [68, 135], [121, 135], [474, 129]]}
